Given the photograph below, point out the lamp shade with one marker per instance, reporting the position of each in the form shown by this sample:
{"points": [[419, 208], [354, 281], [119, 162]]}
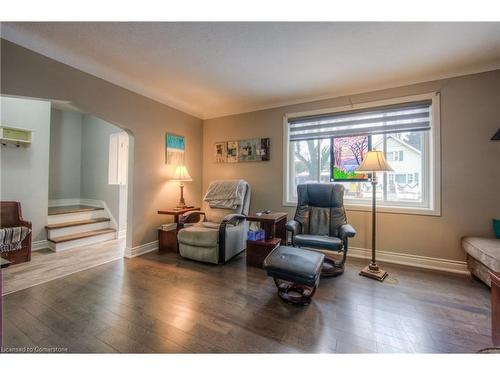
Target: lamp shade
{"points": [[374, 161], [181, 174]]}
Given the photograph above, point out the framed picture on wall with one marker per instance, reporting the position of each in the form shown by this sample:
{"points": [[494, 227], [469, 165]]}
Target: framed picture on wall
{"points": [[265, 147], [221, 152], [248, 150], [347, 155], [232, 151], [254, 149], [174, 149], [257, 149]]}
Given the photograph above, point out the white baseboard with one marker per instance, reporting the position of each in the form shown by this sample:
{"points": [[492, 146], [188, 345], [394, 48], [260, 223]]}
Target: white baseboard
{"points": [[131, 252], [64, 202], [75, 202], [39, 245], [418, 261]]}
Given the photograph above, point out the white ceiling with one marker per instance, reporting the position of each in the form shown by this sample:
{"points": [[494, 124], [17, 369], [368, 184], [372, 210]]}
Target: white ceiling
{"points": [[216, 69]]}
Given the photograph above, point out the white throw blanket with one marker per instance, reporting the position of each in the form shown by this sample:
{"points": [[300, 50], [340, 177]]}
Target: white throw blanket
{"points": [[227, 194], [11, 238]]}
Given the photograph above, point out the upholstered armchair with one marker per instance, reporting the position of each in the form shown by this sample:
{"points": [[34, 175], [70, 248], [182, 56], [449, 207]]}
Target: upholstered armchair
{"points": [[215, 235], [320, 222], [11, 216]]}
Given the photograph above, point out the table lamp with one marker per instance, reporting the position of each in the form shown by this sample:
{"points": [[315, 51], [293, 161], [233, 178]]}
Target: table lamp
{"points": [[181, 174], [373, 162]]}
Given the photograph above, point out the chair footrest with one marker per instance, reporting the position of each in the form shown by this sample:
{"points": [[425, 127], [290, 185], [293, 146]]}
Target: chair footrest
{"points": [[295, 265]]}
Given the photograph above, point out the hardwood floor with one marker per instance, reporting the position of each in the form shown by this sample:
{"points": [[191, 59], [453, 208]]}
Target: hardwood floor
{"points": [[166, 304], [46, 265]]}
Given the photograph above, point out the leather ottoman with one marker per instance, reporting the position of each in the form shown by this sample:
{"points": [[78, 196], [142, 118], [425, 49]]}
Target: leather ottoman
{"points": [[296, 273]]}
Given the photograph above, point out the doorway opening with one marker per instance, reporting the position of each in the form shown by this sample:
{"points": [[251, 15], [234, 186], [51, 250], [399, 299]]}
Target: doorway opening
{"points": [[72, 181]]}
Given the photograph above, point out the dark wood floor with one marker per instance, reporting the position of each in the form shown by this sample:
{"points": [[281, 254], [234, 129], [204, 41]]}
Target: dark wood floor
{"points": [[162, 303]]}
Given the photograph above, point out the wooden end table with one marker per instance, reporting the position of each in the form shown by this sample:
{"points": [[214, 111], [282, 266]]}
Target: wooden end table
{"points": [[167, 239], [495, 307], [274, 225]]}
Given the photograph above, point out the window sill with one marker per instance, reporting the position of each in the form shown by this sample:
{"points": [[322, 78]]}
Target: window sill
{"points": [[384, 209]]}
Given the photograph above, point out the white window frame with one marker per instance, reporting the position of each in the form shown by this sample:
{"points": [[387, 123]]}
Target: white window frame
{"points": [[433, 154]]}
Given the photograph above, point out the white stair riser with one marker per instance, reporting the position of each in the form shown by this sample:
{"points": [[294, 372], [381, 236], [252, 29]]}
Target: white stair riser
{"points": [[61, 246], [52, 233], [76, 216]]}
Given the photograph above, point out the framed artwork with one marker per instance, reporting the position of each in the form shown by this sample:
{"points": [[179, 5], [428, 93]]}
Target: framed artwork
{"points": [[221, 152], [232, 152], [347, 154], [265, 148], [248, 150], [257, 149], [174, 149]]}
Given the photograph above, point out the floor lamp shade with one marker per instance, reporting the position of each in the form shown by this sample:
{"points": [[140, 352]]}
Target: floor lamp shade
{"points": [[373, 162]]}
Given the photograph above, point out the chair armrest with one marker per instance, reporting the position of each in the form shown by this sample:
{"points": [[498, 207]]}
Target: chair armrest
{"points": [[293, 226], [191, 217], [231, 218], [346, 230], [25, 223]]}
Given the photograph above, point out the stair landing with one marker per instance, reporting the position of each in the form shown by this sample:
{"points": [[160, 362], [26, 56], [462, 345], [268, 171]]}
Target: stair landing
{"points": [[60, 210]]}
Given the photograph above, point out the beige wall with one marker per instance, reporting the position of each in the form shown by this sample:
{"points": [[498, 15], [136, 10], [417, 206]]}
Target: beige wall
{"points": [[470, 114], [26, 73]]}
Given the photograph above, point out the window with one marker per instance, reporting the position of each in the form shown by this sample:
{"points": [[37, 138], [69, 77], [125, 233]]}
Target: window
{"points": [[328, 147], [395, 155], [409, 178], [401, 178]]}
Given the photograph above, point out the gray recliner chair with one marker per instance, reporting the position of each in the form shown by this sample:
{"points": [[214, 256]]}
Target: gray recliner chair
{"points": [[215, 235], [320, 222]]}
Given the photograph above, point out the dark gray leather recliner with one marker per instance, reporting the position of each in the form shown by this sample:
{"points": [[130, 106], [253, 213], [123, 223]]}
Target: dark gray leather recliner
{"points": [[320, 222]]}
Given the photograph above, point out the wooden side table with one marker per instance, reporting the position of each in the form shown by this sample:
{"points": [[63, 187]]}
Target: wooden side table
{"points": [[257, 251], [167, 239], [495, 307], [274, 225]]}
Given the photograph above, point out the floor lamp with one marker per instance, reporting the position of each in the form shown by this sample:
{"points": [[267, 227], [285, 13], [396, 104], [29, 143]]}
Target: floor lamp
{"points": [[374, 162]]}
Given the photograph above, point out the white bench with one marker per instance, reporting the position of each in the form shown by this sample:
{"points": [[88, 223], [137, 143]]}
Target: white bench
{"points": [[483, 254]]}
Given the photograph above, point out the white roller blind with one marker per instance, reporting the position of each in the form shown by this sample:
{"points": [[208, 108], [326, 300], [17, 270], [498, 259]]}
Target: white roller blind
{"points": [[390, 119]]}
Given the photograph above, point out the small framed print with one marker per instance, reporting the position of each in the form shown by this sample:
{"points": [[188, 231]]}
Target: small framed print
{"points": [[221, 152], [232, 151], [174, 149]]}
